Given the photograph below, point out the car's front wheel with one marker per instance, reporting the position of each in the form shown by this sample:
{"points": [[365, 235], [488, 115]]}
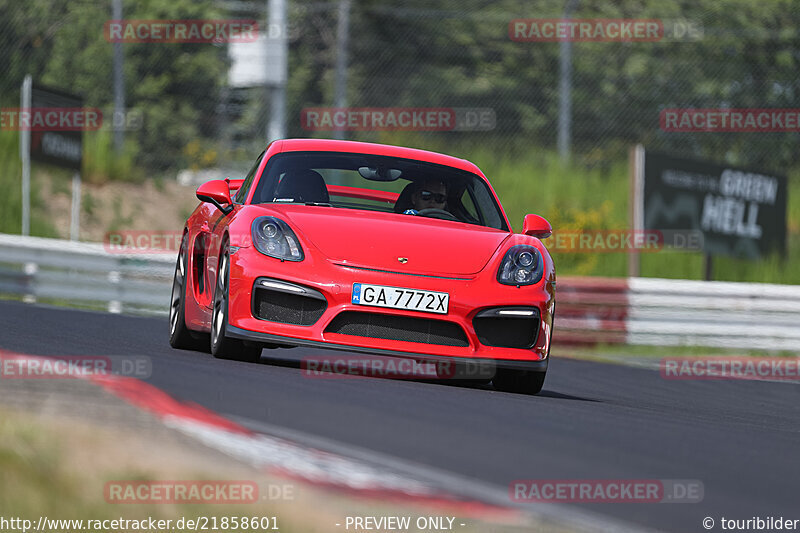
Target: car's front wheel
{"points": [[519, 381], [222, 346]]}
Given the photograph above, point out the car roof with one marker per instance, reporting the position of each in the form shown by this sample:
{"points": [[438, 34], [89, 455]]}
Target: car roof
{"points": [[331, 145]]}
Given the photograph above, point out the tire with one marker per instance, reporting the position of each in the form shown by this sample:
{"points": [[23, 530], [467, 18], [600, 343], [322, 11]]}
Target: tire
{"points": [[519, 381], [223, 347], [180, 336]]}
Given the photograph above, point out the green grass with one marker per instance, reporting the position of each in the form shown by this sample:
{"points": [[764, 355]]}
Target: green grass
{"points": [[100, 166], [102, 163], [580, 196], [576, 197], [89, 204], [38, 477], [11, 187]]}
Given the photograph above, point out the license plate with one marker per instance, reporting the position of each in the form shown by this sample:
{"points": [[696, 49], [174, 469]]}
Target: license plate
{"points": [[399, 298]]}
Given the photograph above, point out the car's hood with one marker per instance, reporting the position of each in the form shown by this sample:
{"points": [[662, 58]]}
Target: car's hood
{"points": [[378, 240]]}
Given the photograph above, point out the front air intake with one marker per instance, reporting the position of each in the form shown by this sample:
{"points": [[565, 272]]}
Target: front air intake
{"points": [[398, 328], [287, 303]]}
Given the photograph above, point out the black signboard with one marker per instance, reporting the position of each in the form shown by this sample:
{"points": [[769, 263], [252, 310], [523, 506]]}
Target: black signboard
{"points": [[63, 144], [741, 212]]}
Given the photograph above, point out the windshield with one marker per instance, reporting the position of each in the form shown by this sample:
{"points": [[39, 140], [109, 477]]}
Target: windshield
{"points": [[379, 183]]}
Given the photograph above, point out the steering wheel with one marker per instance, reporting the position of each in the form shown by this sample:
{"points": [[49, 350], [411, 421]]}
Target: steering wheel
{"points": [[442, 214]]}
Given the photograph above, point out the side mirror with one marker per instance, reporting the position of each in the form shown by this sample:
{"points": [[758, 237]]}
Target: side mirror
{"points": [[216, 192], [234, 184], [536, 226]]}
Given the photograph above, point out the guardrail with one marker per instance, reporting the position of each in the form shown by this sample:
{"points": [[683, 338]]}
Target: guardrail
{"points": [[85, 275], [643, 311], [667, 312]]}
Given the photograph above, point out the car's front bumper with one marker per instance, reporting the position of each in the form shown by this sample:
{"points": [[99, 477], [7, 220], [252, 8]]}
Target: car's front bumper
{"points": [[490, 365], [469, 297]]}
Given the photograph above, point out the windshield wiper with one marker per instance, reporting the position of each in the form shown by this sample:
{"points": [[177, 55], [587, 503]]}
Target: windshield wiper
{"points": [[321, 204]]}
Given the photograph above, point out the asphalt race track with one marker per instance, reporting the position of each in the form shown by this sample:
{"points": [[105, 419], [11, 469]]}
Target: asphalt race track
{"points": [[592, 421]]}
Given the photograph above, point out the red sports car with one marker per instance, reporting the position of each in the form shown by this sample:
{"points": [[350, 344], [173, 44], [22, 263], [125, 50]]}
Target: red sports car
{"points": [[367, 248]]}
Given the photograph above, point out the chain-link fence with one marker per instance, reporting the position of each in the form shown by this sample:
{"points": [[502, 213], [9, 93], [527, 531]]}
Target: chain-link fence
{"points": [[513, 85], [444, 54]]}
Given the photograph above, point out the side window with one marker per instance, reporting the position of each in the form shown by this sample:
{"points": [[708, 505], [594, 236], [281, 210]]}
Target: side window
{"points": [[248, 181], [484, 201], [469, 206]]}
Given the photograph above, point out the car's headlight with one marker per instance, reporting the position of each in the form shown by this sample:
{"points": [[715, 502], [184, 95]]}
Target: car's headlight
{"points": [[522, 265], [273, 237]]}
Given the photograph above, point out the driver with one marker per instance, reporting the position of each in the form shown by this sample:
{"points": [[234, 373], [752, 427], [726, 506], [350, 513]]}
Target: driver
{"points": [[429, 194]]}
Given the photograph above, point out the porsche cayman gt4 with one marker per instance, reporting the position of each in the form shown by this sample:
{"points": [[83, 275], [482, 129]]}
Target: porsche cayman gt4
{"points": [[366, 248]]}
